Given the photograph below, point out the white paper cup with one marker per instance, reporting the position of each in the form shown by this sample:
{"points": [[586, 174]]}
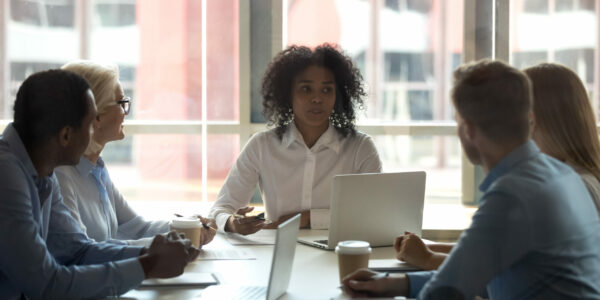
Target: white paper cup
{"points": [[352, 255], [192, 229]]}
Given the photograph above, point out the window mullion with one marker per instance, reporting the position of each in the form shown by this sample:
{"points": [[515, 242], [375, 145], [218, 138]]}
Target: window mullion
{"points": [[83, 16], [244, 72], [204, 138], [4, 93]]}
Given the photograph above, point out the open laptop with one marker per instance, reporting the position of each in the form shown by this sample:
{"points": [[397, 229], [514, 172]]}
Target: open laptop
{"points": [[281, 269], [373, 207]]}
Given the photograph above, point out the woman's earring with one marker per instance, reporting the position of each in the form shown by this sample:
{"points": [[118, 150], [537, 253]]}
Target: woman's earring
{"points": [[286, 118], [338, 120]]}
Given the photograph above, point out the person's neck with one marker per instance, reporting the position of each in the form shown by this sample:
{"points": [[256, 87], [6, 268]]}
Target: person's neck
{"points": [[94, 156], [44, 160], [311, 134], [493, 153]]}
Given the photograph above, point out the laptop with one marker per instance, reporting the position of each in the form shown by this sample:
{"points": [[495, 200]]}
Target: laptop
{"points": [[374, 207], [281, 269]]}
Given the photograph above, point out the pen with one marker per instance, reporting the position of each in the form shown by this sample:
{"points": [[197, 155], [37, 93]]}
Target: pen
{"points": [[374, 277]]}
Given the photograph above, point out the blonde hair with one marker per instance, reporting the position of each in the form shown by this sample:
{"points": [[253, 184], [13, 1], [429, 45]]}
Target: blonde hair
{"points": [[103, 80], [564, 116]]}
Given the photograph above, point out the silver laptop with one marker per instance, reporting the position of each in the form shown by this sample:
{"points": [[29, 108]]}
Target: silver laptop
{"points": [[281, 269], [373, 207]]}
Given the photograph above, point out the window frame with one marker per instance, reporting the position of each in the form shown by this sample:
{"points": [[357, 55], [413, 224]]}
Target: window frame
{"points": [[492, 42]]}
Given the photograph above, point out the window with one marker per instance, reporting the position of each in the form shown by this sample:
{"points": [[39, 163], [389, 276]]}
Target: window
{"points": [[193, 69], [175, 62], [565, 31], [406, 51], [59, 13]]}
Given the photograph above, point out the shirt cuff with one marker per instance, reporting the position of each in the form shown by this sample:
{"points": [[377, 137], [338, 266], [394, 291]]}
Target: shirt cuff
{"points": [[132, 274], [143, 242], [417, 280], [221, 220], [319, 218], [132, 251]]}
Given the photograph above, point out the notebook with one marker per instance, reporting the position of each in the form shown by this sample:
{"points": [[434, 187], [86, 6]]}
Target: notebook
{"points": [[185, 279]]}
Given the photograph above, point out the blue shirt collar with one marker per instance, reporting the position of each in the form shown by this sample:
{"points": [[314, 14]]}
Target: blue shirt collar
{"points": [[16, 146], [85, 166], [330, 138], [525, 151]]}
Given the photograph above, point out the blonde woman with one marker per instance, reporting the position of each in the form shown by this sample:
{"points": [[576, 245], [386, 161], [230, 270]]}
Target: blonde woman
{"points": [[92, 198], [564, 128]]}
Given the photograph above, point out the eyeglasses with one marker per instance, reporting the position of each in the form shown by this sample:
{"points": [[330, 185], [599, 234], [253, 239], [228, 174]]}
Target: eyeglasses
{"points": [[125, 104]]}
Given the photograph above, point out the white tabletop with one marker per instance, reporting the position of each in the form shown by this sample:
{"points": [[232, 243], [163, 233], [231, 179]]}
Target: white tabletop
{"points": [[314, 275]]}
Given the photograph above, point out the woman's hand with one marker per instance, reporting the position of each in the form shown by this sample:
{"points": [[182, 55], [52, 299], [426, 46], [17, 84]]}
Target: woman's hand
{"points": [[207, 234], [411, 249], [304, 220], [241, 224]]}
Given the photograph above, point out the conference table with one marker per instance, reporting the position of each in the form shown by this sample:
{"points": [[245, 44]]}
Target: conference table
{"points": [[314, 273]]}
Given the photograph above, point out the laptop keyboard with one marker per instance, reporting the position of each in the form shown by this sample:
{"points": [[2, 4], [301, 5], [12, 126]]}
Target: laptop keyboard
{"points": [[251, 293], [230, 292], [324, 242]]}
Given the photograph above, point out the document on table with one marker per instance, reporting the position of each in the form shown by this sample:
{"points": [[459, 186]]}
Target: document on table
{"points": [[185, 279], [346, 297], [225, 254], [391, 265], [263, 237]]}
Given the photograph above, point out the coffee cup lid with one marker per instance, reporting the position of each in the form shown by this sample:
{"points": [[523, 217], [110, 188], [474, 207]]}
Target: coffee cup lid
{"points": [[353, 247], [186, 223]]}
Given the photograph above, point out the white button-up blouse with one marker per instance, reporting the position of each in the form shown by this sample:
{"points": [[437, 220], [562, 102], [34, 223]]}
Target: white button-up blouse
{"points": [[291, 176]]}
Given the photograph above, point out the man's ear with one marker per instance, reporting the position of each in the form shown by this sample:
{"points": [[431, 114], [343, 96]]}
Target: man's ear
{"points": [[470, 130], [65, 135]]}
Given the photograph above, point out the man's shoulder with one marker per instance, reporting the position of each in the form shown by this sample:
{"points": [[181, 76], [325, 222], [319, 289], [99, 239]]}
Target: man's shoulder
{"points": [[10, 165], [14, 177], [540, 177], [538, 170]]}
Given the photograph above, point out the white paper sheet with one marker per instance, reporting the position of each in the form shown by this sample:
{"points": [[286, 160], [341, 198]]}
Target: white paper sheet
{"points": [[390, 265], [263, 237], [188, 278], [225, 254]]}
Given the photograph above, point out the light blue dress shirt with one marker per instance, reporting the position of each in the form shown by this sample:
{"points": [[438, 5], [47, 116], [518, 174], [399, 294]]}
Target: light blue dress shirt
{"points": [[535, 236], [100, 209], [43, 253]]}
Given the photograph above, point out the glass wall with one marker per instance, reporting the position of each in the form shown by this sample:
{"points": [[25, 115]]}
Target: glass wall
{"points": [[158, 48], [562, 31], [185, 62]]}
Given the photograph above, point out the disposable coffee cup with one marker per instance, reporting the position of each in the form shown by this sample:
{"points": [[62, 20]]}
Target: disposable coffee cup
{"points": [[352, 255], [190, 227]]}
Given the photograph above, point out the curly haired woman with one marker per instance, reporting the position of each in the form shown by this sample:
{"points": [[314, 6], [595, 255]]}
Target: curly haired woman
{"points": [[310, 97]]}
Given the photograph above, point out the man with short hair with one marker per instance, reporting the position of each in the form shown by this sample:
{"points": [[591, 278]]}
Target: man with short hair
{"points": [[536, 232], [43, 252]]}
